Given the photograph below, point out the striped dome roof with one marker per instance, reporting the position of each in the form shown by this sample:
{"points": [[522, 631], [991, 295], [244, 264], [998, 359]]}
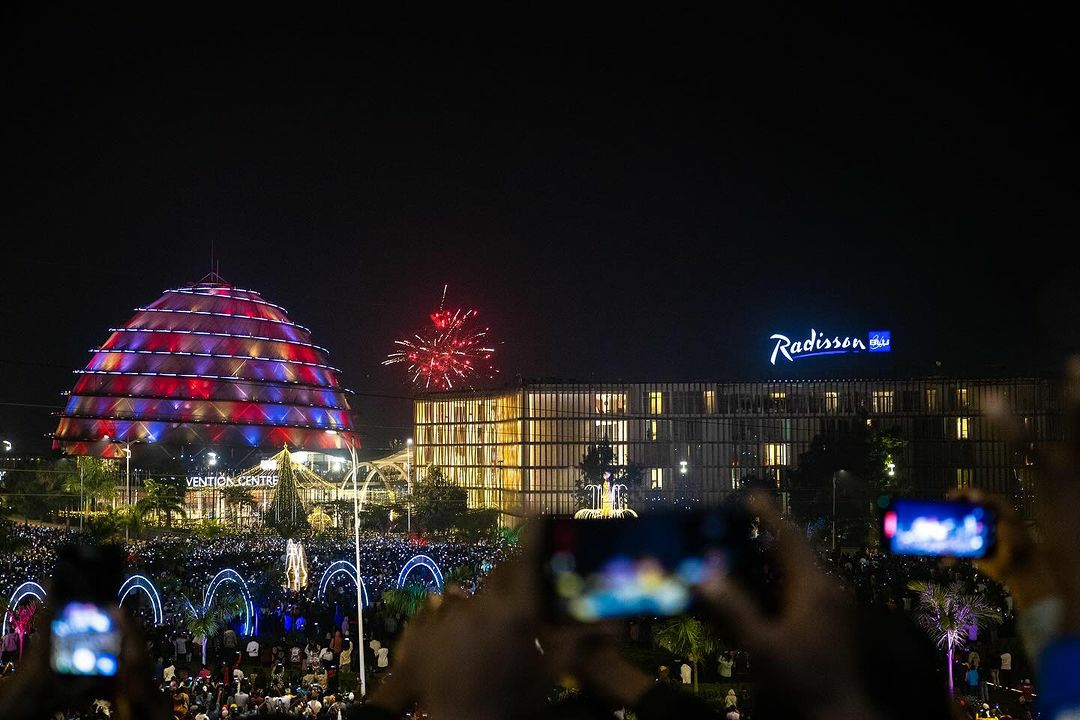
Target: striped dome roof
{"points": [[207, 364]]}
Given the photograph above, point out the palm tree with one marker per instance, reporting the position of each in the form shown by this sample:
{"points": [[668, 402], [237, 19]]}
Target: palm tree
{"points": [[110, 524], [93, 480], [22, 619], [237, 496], [406, 600], [946, 612], [687, 636], [203, 622], [162, 498]]}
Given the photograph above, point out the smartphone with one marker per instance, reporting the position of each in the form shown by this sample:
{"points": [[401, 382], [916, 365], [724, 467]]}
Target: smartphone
{"points": [[938, 528], [85, 640], [86, 637], [597, 569]]}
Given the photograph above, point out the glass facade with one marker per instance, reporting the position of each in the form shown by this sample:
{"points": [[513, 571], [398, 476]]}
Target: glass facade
{"points": [[518, 450]]}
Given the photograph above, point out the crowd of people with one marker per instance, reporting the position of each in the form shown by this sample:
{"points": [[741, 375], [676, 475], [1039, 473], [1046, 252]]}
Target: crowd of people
{"points": [[305, 658]]}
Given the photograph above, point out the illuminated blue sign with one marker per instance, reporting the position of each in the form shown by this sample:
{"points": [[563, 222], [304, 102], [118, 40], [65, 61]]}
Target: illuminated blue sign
{"points": [[820, 344], [880, 341]]}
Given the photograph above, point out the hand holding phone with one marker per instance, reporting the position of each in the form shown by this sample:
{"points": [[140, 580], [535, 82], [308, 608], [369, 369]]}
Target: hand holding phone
{"points": [[938, 528]]}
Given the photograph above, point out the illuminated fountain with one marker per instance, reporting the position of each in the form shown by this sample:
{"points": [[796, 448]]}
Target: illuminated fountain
{"points": [[608, 501], [296, 571]]}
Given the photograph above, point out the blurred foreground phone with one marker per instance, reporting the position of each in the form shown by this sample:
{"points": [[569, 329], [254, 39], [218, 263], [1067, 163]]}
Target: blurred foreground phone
{"points": [[86, 637], [938, 528], [595, 569]]}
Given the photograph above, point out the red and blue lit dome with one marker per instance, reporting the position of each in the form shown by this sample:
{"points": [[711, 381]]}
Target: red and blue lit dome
{"points": [[207, 364]]}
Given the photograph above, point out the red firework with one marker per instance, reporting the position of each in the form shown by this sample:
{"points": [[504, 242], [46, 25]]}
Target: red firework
{"points": [[451, 351]]}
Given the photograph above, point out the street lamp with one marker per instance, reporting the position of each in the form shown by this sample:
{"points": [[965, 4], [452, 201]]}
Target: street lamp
{"points": [[127, 475], [351, 445], [835, 475], [408, 486], [7, 446], [356, 538]]}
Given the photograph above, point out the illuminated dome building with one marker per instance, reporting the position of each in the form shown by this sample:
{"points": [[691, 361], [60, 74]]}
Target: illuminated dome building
{"points": [[207, 365]]}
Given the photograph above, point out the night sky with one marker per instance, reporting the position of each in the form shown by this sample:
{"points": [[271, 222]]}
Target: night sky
{"points": [[621, 195]]}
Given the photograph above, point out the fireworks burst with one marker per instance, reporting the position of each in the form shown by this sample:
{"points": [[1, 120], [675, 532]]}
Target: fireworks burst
{"points": [[450, 352]]}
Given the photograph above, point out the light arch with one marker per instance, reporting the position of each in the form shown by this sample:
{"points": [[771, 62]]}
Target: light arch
{"points": [[343, 567], [27, 589], [141, 582], [251, 620], [421, 561]]}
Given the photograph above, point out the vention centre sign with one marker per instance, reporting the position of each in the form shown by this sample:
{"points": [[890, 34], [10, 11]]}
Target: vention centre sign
{"points": [[197, 482], [815, 344]]}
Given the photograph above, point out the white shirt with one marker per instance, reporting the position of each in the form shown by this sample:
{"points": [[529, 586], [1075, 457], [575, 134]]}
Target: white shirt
{"points": [[1006, 661], [253, 649], [684, 673], [169, 673], [384, 657]]}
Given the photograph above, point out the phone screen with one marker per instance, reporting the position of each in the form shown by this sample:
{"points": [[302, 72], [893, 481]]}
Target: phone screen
{"points": [[598, 569], [938, 528], [85, 640]]}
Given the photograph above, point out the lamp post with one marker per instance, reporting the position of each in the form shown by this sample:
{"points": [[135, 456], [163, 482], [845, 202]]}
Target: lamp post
{"points": [[408, 485], [835, 476], [356, 537]]}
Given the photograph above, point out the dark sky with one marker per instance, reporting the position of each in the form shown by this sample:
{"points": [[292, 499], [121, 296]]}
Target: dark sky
{"points": [[621, 194]]}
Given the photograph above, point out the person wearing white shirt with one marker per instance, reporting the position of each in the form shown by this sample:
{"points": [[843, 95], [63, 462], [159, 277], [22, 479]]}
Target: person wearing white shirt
{"points": [[252, 649]]}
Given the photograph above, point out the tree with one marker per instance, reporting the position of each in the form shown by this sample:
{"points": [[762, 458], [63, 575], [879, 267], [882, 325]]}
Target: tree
{"points": [[204, 622], [164, 496], [22, 620], [286, 513], [946, 612], [405, 601], [94, 478], [598, 462], [689, 637], [235, 497], [438, 504], [867, 457]]}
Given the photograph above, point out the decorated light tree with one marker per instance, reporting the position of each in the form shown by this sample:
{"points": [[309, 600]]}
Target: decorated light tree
{"points": [[286, 513], [452, 351]]}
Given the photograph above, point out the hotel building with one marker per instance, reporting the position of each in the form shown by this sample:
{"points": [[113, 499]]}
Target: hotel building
{"points": [[517, 449]]}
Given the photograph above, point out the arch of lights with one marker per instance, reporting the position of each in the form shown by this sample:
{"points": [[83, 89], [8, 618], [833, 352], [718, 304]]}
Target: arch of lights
{"points": [[27, 589], [251, 619], [420, 561], [141, 582], [342, 567]]}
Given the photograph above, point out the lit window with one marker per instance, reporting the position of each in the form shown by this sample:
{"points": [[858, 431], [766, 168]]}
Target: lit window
{"points": [[963, 478], [774, 454], [656, 403], [963, 427], [778, 395], [931, 400], [832, 401], [710, 402], [656, 479], [961, 397], [651, 427], [881, 401], [869, 422]]}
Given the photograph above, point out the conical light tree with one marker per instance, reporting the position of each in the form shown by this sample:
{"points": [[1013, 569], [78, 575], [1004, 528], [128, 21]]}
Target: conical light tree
{"points": [[286, 513]]}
